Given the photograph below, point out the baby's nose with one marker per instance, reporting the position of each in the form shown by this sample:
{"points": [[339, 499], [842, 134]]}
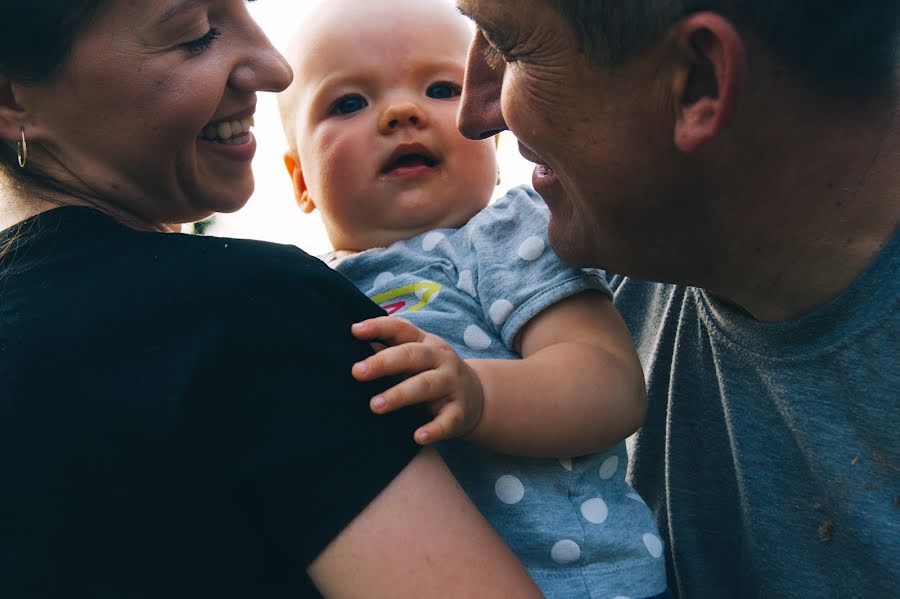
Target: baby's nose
{"points": [[402, 114]]}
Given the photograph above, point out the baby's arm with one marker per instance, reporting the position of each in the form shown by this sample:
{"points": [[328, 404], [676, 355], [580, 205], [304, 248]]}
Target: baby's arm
{"points": [[578, 388]]}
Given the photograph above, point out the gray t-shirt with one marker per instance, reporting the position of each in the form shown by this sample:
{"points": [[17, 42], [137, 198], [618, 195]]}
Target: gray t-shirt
{"points": [[577, 526], [770, 453]]}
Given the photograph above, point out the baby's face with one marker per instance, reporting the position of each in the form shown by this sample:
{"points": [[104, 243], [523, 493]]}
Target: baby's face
{"points": [[376, 124]]}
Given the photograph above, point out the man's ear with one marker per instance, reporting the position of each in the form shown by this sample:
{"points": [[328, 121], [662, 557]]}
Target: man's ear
{"points": [[301, 191], [709, 78]]}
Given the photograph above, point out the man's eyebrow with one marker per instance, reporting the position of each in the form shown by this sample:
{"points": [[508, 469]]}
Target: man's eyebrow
{"points": [[479, 23], [460, 6], [178, 8]]}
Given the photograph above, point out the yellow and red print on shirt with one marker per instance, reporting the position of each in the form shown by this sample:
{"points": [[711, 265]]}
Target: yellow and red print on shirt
{"points": [[408, 298]]}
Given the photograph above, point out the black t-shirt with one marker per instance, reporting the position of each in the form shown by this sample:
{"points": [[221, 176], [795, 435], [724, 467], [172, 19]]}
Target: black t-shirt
{"points": [[177, 415]]}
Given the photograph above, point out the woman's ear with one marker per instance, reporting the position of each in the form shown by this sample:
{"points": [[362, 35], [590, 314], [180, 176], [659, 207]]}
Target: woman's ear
{"points": [[301, 191], [709, 77], [12, 116]]}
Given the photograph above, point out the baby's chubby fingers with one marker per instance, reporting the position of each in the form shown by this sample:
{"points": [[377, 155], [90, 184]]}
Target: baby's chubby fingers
{"points": [[425, 387], [409, 358], [390, 329], [448, 424]]}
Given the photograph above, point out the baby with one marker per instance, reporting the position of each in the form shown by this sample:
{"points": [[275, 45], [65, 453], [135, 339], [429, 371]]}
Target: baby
{"points": [[515, 352]]}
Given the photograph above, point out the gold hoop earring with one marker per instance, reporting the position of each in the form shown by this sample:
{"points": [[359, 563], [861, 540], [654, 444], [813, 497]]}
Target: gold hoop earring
{"points": [[22, 150]]}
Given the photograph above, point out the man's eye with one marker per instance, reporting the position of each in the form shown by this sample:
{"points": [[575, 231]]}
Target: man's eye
{"points": [[495, 54], [202, 43], [348, 105], [442, 91], [493, 57]]}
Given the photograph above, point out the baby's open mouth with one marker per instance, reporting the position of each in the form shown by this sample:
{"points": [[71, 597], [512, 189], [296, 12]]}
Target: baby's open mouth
{"points": [[409, 157], [228, 132]]}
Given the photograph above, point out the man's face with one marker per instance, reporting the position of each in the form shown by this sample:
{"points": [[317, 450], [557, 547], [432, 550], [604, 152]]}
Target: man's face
{"points": [[601, 138]]}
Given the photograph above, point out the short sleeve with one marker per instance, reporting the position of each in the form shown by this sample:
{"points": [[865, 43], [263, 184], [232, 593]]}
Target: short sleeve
{"points": [[292, 434], [519, 275]]}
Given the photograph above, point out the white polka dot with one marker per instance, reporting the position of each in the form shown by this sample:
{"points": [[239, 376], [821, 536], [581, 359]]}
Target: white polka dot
{"points": [[635, 497], [566, 463], [653, 544], [509, 489], [431, 240], [595, 511], [565, 552], [531, 249], [476, 339], [500, 311], [609, 467], [621, 597], [466, 283], [383, 279]]}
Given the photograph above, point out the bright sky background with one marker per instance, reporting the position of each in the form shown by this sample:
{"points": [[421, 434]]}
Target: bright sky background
{"points": [[271, 213]]}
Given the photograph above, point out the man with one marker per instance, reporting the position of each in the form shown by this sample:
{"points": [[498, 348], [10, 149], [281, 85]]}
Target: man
{"points": [[747, 157]]}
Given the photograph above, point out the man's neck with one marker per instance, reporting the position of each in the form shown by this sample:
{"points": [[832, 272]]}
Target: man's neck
{"points": [[826, 207]]}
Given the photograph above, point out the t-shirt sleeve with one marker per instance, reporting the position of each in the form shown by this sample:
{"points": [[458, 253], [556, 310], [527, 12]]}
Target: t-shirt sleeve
{"points": [[518, 273], [289, 428]]}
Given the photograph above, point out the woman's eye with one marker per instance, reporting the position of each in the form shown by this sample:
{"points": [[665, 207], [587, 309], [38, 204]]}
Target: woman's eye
{"points": [[442, 91], [348, 105], [200, 44]]}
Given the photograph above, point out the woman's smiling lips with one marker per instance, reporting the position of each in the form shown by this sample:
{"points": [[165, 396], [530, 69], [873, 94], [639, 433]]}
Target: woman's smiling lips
{"points": [[231, 137]]}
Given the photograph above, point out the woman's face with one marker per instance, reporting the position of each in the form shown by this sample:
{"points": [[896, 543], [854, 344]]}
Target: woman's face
{"points": [[150, 114]]}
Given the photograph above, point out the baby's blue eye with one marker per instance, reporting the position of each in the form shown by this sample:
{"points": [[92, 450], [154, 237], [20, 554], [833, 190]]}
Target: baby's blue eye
{"points": [[442, 91], [348, 105]]}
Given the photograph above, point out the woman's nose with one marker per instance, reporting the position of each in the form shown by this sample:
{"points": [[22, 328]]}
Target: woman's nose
{"points": [[399, 115], [479, 114], [263, 68]]}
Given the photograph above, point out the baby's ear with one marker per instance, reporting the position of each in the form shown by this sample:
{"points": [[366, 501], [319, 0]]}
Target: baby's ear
{"points": [[301, 191]]}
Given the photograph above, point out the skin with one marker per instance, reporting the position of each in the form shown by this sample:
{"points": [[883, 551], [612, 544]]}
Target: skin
{"points": [[381, 58], [372, 77], [421, 537], [686, 165], [131, 144], [120, 125]]}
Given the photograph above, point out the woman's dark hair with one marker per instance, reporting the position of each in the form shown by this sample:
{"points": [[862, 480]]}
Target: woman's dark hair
{"points": [[35, 41], [836, 46]]}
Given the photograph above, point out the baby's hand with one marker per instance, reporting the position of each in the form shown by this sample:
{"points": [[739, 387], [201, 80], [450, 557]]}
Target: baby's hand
{"points": [[436, 375]]}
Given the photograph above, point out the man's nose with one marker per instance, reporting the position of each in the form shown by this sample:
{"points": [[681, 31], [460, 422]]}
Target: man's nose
{"points": [[479, 114], [402, 114]]}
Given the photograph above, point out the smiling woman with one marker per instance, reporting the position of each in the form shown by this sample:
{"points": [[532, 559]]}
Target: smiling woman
{"points": [[178, 416]]}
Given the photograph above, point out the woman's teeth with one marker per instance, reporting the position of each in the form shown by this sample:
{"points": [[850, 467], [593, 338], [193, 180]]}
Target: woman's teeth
{"points": [[228, 131]]}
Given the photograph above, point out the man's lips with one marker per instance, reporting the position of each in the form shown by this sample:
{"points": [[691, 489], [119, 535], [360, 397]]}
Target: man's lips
{"points": [[529, 155], [408, 158]]}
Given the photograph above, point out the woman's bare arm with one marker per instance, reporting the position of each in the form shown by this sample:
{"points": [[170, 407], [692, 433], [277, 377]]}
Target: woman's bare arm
{"points": [[421, 537]]}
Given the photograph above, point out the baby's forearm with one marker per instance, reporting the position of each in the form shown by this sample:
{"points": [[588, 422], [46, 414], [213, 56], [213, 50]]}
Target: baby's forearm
{"points": [[566, 400]]}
